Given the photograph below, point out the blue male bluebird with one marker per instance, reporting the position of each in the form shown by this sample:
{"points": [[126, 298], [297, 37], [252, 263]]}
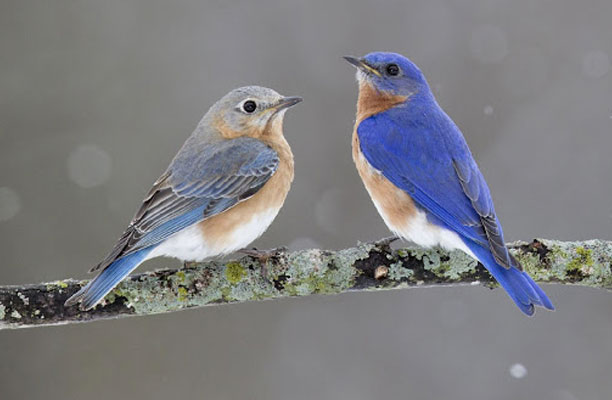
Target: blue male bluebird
{"points": [[221, 191], [421, 175]]}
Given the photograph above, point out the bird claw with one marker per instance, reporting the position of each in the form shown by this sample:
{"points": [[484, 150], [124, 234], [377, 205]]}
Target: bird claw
{"points": [[263, 256], [189, 264], [385, 242]]}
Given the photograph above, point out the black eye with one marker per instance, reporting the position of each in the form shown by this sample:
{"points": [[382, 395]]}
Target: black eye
{"points": [[393, 69], [249, 106]]}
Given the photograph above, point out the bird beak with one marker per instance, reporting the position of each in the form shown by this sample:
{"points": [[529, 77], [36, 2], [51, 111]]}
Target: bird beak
{"points": [[287, 102], [361, 65]]}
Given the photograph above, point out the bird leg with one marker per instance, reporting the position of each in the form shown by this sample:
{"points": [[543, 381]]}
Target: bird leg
{"points": [[189, 264], [263, 256], [385, 242]]}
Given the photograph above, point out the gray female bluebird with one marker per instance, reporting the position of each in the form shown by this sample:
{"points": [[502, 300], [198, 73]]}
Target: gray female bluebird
{"points": [[221, 191]]}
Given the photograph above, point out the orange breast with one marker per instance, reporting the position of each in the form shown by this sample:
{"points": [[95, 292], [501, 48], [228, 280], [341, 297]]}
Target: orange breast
{"points": [[372, 101], [218, 230], [394, 205]]}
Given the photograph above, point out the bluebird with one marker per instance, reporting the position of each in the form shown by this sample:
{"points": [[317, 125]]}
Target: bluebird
{"points": [[221, 191], [421, 176]]}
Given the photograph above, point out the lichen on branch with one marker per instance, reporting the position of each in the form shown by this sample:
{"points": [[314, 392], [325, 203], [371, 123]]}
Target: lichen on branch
{"points": [[369, 266]]}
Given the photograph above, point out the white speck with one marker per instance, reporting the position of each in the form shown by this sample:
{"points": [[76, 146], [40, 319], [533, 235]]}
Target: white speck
{"points": [[9, 203], [23, 298], [15, 314], [488, 110], [488, 44], [518, 371], [303, 243], [89, 166], [475, 283], [595, 64]]}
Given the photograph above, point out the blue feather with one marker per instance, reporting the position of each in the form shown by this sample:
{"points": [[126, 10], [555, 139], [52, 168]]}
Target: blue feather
{"points": [[419, 149], [420, 163], [102, 284], [173, 226], [417, 162], [519, 286]]}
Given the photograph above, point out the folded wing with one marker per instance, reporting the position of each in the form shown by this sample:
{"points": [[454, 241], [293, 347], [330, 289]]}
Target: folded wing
{"points": [[447, 184], [202, 181]]}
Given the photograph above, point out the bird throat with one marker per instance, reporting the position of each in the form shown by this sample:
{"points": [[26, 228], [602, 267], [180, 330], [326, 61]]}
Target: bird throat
{"points": [[372, 101]]}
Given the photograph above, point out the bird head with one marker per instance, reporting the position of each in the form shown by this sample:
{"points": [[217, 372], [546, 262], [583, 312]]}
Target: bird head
{"points": [[391, 73], [250, 111]]}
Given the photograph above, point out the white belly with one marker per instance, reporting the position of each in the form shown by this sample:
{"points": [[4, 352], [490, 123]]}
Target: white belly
{"points": [[247, 232], [420, 231], [191, 245], [414, 227], [423, 233]]}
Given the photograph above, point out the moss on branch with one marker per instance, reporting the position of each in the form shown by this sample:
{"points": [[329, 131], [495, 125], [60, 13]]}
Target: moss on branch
{"points": [[372, 266]]}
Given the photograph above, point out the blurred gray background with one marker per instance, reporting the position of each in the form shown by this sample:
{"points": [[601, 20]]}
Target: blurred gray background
{"points": [[96, 98]]}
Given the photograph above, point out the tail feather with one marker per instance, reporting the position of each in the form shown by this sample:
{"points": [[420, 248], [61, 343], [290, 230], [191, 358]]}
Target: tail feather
{"points": [[519, 286], [546, 303], [101, 285]]}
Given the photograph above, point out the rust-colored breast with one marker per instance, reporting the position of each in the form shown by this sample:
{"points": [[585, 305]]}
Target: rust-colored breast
{"points": [[223, 128], [219, 229], [394, 205], [372, 101]]}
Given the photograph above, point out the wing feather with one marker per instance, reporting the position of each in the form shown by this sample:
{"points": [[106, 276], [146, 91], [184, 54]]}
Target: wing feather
{"points": [[202, 181], [447, 184]]}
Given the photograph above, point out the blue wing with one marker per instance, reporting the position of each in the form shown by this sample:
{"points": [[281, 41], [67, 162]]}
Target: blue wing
{"points": [[422, 152], [203, 180], [427, 157]]}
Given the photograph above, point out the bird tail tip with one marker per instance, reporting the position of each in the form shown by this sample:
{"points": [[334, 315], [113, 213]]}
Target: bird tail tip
{"points": [[75, 298], [517, 283], [92, 293]]}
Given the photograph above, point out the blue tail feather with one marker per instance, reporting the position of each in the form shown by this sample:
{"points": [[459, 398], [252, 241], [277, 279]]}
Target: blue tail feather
{"points": [[102, 284], [546, 303], [519, 286]]}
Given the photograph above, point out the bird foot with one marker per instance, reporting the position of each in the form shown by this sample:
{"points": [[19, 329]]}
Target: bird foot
{"points": [[263, 256], [189, 264], [385, 242]]}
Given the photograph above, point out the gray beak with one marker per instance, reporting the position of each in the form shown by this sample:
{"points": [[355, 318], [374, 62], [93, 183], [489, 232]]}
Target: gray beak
{"points": [[361, 65], [287, 102]]}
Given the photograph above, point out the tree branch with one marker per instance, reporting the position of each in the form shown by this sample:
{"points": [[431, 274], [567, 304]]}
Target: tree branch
{"points": [[366, 267]]}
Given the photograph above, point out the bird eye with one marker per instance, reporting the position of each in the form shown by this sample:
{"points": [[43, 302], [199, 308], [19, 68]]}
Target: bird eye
{"points": [[393, 69], [249, 106]]}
